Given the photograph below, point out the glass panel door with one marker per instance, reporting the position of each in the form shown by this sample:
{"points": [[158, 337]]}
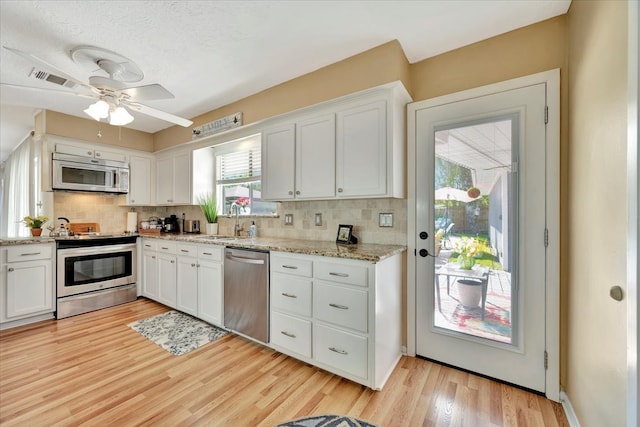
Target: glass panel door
{"points": [[474, 193]]}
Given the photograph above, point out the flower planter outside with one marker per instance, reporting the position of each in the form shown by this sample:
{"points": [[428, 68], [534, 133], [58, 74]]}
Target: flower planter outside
{"points": [[470, 292]]}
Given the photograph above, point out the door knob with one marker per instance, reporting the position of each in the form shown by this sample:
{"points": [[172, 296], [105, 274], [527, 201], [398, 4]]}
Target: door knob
{"points": [[424, 235], [423, 253], [616, 293]]}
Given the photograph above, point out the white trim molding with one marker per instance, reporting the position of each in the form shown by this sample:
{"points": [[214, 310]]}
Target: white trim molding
{"points": [[572, 418]]}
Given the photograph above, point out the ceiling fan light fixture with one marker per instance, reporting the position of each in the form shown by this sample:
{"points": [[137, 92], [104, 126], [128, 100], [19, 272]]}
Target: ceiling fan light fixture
{"points": [[98, 110], [120, 117]]}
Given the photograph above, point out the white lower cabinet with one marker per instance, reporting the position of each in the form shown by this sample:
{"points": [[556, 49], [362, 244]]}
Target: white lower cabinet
{"points": [[27, 285], [184, 276], [339, 314]]}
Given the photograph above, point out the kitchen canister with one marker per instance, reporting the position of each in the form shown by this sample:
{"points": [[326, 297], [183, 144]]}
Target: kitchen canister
{"points": [[132, 222]]}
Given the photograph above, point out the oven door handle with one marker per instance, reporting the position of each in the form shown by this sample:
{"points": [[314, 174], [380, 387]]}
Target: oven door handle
{"points": [[100, 249]]}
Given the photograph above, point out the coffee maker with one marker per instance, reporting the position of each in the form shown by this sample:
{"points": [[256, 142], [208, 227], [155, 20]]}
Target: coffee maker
{"points": [[170, 224]]}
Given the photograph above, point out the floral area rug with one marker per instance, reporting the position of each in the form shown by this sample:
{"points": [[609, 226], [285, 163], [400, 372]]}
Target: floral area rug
{"points": [[497, 317], [177, 332], [327, 421]]}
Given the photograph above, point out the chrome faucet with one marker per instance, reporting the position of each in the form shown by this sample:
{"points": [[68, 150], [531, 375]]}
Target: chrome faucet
{"points": [[236, 227]]}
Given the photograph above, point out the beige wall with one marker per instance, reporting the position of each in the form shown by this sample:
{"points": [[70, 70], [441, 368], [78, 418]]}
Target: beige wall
{"points": [[54, 123], [596, 356], [383, 64]]}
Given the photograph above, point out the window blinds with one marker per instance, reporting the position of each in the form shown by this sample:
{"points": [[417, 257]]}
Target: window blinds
{"points": [[242, 163]]}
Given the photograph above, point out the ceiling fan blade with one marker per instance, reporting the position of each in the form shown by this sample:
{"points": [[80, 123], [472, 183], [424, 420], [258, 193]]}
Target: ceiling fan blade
{"points": [[66, 92], [147, 92], [159, 114], [37, 61]]}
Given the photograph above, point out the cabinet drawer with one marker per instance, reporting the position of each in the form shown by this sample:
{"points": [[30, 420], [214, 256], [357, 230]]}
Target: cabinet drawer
{"points": [[28, 253], [342, 350], [341, 306], [149, 245], [187, 250], [167, 247], [292, 294], [342, 273], [291, 333], [211, 252], [290, 265]]}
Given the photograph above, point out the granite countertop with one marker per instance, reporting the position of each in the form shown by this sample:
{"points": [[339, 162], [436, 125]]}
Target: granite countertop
{"points": [[362, 251], [11, 241]]}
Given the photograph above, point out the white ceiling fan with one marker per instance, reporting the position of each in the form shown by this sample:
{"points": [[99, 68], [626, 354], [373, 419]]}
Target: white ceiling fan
{"points": [[110, 90]]}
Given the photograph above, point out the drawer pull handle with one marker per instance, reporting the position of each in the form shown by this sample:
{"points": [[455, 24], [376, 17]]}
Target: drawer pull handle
{"points": [[341, 307], [10, 269], [287, 334], [30, 254], [184, 250], [289, 295], [147, 246], [207, 253], [153, 257], [339, 274], [163, 247], [290, 267], [172, 262], [337, 350]]}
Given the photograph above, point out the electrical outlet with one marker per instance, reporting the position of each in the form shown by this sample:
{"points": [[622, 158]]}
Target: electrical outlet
{"points": [[288, 219], [318, 219], [385, 220]]}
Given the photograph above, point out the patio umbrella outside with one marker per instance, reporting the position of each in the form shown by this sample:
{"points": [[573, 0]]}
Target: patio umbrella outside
{"points": [[453, 194]]}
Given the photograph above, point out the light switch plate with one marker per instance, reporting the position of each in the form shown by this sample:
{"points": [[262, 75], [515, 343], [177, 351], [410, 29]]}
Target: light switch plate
{"points": [[288, 219], [385, 220]]}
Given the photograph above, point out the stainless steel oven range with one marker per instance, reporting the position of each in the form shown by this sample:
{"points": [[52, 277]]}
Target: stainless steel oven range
{"points": [[95, 273]]}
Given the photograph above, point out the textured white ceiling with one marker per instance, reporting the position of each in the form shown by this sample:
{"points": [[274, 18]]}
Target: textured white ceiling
{"points": [[211, 53]]}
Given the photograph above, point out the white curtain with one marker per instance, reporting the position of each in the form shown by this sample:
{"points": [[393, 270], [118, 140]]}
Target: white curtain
{"points": [[16, 194]]}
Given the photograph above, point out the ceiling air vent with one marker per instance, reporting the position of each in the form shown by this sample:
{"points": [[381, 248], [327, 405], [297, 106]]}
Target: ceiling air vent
{"points": [[52, 78]]}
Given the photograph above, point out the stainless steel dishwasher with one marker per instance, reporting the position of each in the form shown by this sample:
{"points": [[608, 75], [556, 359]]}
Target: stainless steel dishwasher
{"points": [[246, 293]]}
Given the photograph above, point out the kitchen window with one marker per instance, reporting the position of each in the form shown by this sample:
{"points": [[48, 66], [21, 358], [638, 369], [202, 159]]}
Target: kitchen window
{"points": [[238, 177]]}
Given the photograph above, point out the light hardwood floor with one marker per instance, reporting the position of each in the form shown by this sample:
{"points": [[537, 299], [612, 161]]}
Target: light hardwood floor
{"points": [[94, 370]]}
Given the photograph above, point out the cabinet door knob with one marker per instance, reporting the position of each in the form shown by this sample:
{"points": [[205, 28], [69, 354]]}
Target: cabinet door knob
{"points": [[90, 153], [133, 201], [10, 269], [291, 193], [193, 265], [339, 190], [97, 154], [298, 192]]}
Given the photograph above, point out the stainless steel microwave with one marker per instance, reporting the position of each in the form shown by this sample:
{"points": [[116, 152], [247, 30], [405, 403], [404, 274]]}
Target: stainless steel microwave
{"points": [[86, 174]]}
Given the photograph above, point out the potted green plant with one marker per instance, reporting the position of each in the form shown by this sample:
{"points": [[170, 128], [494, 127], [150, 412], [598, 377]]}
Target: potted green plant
{"points": [[35, 223], [466, 248], [209, 206], [473, 192]]}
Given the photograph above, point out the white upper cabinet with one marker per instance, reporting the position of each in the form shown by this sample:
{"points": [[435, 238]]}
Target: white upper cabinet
{"points": [[173, 179], [352, 147], [140, 179], [361, 151], [299, 160], [86, 151], [315, 157], [278, 163]]}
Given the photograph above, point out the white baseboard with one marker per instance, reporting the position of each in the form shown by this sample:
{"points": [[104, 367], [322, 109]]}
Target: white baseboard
{"points": [[568, 410]]}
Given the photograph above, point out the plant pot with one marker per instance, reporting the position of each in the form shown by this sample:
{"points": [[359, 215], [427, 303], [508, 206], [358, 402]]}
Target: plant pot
{"points": [[211, 228], [36, 232], [470, 292]]}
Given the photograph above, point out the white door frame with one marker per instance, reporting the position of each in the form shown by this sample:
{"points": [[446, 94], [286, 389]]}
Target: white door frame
{"points": [[633, 207], [552, 333]]}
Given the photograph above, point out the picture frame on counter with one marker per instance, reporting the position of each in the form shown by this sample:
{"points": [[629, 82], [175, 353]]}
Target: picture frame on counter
{"points": [[345, 235]]}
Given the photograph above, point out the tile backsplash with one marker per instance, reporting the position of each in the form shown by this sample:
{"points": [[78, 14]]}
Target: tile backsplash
{"points": [[363, 214]]}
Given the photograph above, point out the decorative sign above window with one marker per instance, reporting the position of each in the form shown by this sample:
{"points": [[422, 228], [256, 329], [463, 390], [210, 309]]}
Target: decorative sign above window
{"points": [[217, 126]]}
